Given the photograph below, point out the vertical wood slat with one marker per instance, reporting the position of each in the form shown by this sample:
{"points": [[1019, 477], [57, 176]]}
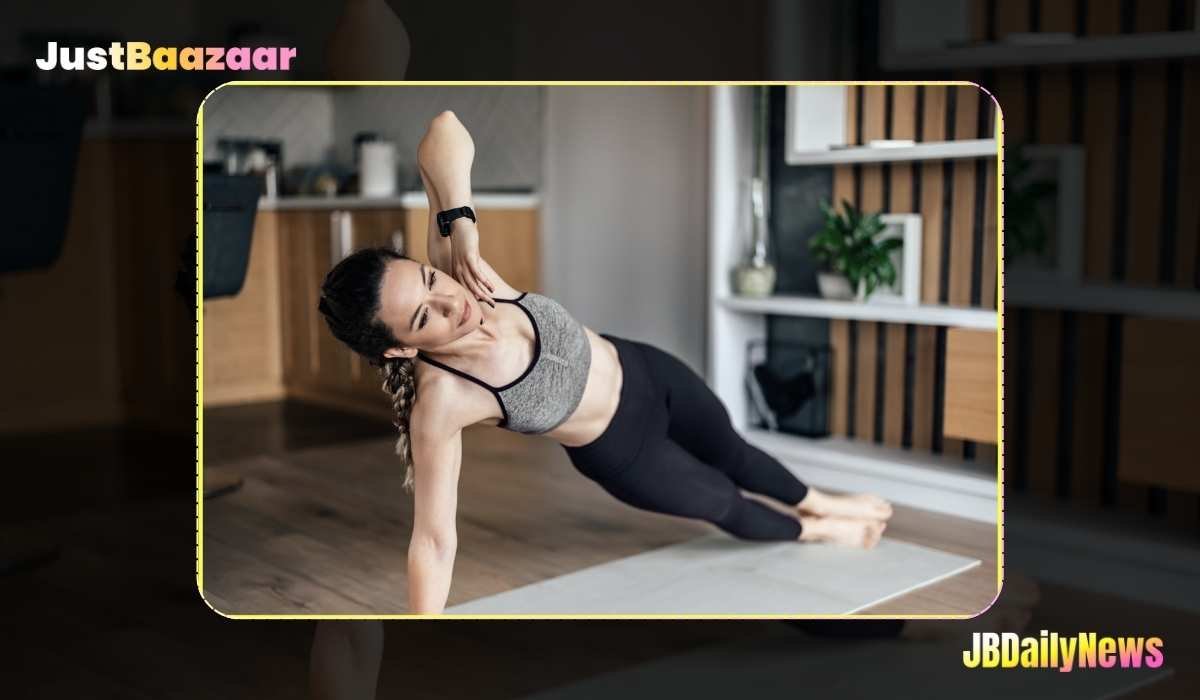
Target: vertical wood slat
{"points": [[962, 218], [1057, 16], [1011, 16], [904, 112], [1144, 197], [962, 233], [865, 375], [1010, 93], [923, 381], [874, 112], [930, 172], [1044, 392], [904, 126], [852, 136], [893, 416], [987, 297], [839, 330], [931, 231], [1187, 233], [1099, 145], [872, 188], [979, 19], [1147, 135], [1103, 17], [1088, 411], [839, 342]]}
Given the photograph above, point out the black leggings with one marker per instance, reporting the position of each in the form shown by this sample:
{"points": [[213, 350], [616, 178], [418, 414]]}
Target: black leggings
{"points": [[670, 448]]}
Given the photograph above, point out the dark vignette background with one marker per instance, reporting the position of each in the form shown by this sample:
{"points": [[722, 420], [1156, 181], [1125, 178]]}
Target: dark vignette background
{"points": [[126, 620]]}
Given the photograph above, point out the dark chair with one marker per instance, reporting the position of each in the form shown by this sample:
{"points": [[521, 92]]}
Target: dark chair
{"points": [[230, 205], [40, 131]]}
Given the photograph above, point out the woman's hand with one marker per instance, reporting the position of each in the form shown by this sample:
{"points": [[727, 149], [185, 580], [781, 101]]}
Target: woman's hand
{"points": [[465, 263]]}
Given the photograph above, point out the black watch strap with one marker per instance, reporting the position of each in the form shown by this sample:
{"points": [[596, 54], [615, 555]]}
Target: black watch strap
{"points": [[445, 218]]}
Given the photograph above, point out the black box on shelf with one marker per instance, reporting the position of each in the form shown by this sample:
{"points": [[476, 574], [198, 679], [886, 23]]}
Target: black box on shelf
{"points": [[787, 386]]}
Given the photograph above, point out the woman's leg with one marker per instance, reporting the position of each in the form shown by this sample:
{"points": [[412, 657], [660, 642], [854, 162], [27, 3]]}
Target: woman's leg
{"points": [[700, 423], [665, 478]]}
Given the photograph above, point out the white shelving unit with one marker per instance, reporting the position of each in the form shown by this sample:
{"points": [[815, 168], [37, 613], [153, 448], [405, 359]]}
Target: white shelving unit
{"points": [[926, 314], [931, 150], [926, 481], [1151, 302], [1127, 47]]}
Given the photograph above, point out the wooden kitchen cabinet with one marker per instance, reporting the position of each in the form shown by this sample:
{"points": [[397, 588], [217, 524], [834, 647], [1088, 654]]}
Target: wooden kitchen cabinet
{"points": [[316, 366]]}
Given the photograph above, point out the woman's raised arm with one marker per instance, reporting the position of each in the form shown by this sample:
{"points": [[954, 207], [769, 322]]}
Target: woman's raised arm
{"points": [[444, 157]]}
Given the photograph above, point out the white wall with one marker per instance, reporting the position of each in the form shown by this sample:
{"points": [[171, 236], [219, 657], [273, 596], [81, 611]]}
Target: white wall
{"points": [[625, 212]]}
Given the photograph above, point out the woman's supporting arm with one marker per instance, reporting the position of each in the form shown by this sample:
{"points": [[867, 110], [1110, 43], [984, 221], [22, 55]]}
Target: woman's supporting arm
{"points": [[437, 459]]}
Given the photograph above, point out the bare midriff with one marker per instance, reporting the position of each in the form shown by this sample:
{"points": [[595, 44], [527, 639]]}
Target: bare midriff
{"points": [[601, 395]]}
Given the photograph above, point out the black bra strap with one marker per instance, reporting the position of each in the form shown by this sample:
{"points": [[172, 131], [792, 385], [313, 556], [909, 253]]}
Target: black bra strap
{"points": [[511, 301], [464, 375], [459, 372]]}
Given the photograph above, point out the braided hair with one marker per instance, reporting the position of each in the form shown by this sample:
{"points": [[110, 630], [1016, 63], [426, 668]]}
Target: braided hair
{"points": [[350, 304]]}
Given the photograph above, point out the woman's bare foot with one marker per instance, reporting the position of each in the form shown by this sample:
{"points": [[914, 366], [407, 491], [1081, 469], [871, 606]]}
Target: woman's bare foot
{"points": [[859, 505], [848, 532]]}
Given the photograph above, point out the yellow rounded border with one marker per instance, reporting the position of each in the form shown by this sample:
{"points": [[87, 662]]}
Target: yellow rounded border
{"points": [[603, 83]]}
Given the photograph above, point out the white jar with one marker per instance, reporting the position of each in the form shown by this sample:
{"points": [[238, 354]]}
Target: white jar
{"points": [[377, 168]]}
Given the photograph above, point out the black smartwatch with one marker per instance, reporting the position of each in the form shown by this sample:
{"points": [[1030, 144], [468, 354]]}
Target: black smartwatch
{"points": [[445, 218]]}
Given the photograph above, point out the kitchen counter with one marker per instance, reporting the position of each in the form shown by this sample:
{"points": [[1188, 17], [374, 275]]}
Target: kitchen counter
{"points": [[406, 200]]}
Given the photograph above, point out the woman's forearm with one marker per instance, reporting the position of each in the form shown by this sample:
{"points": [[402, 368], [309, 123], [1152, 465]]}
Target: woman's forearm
{"points": [[445, 155], [430, 567]]}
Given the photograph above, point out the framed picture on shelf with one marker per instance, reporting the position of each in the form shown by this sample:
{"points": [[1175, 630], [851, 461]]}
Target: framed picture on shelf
{"points": [[1043, 214], [906, 259]]}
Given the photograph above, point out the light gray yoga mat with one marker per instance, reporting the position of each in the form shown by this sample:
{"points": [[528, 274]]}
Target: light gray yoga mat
{"points": [[717, 574], [791, 664]]}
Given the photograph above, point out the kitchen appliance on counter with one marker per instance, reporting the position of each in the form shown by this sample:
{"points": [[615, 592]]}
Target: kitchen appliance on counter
{"points": [[254, 157], [376, 165]]}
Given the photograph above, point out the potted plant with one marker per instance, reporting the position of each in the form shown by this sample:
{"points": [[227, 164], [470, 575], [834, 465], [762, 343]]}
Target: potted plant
{"points": [[856, 262], [1025, 231]]}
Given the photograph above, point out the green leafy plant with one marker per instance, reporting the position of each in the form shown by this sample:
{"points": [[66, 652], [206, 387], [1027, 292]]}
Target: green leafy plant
{"points": [[1024, 226], [848, 244]]}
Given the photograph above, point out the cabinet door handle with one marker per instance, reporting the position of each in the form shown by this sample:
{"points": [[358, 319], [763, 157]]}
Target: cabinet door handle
{"points": [[341, 236]]}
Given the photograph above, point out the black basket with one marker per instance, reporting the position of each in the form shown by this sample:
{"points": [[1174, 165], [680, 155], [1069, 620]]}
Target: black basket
{"points": [[787, 386]]}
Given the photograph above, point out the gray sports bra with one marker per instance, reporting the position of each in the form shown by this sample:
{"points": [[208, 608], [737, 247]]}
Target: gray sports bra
{"points": [[550, 388]]}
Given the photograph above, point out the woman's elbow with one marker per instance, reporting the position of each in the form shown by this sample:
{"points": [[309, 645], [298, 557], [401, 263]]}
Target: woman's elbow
{"points": [[439, 546]]}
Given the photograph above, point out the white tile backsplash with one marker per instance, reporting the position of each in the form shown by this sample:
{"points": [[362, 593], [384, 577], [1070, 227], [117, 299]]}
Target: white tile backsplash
{"points": [[320, 123]]}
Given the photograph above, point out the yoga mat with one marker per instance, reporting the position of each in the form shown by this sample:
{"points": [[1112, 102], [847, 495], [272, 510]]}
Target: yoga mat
{"points": [[721, 575], [792, 664]]}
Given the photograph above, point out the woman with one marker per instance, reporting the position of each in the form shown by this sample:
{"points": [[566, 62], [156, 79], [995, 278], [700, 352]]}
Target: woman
{"points": [[458, 346]]}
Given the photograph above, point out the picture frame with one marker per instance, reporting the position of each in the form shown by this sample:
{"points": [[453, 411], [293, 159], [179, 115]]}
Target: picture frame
{"points": [[1062, 215], [906, 259]]}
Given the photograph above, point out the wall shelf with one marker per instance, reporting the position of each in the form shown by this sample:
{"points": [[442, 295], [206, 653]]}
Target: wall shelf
{"points": [[925, 314], [932, 150], [929, 481], [1126, 47], [1150, 302]]}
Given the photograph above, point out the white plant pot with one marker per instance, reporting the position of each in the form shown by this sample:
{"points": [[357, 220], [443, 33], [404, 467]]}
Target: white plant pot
{"points": [[835, 286]]}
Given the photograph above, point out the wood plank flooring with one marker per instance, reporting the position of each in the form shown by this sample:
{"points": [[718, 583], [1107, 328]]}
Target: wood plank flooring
{"points": [[325, 531]]}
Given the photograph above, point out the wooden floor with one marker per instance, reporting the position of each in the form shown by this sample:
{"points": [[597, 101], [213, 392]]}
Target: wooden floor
{"points": [[117, 615], [324, 530]]}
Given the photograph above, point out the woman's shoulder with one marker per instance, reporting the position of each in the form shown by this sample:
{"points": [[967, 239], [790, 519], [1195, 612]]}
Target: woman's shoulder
{"points": [[442, 405]]}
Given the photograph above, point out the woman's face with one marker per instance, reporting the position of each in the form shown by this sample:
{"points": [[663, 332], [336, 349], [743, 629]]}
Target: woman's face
{"points": [[425, 307]]}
